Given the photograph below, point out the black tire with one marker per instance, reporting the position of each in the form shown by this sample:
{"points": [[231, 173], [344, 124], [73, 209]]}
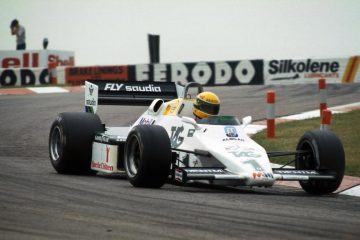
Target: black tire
{"points": [[70, 142], [326, 153], [147, 156]]}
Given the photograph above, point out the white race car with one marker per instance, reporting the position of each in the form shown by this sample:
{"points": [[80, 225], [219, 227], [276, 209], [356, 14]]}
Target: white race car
{"points": [[166, 144]]}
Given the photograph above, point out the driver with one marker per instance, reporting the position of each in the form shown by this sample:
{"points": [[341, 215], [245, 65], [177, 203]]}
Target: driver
{"points": [[206, 104]]}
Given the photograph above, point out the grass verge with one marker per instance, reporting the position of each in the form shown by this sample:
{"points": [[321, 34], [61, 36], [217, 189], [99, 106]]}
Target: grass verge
{"points": [[345, 125]]}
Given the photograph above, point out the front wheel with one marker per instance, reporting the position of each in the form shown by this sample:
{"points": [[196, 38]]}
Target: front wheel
{"points": [[147, 156], [325, 153]]}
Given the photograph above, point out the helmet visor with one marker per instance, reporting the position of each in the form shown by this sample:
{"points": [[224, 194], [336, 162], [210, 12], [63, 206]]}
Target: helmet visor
{"points": [[209, 108]]}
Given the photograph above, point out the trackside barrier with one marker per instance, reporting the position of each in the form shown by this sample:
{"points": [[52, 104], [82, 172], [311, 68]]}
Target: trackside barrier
{"points": [[52, 72], [325, 120], [322, 95], [270, 114]]}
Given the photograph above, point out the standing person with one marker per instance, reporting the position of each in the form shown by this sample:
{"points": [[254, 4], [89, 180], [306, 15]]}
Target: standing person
{"points": [[19, 31]]}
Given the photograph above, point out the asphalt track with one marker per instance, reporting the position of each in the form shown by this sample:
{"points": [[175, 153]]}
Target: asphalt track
{"points": [[38, 203]]}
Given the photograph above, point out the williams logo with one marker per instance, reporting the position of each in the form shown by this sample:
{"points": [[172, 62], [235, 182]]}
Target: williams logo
{"points": [[231, 132], [91, 90]]}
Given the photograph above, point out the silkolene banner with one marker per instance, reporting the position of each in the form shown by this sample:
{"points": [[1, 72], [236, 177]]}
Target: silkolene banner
{"points": [[291, 71], [205, 73]]}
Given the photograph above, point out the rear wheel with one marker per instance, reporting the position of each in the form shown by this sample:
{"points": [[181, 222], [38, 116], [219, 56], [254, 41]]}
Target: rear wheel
{"points": [[70, 142], [147, 156], [326, 153]]}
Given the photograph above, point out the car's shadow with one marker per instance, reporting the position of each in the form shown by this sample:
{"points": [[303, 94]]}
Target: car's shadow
{"points": [[203, 188]]}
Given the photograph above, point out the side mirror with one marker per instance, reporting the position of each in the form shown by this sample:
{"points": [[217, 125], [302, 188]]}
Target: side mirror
{"points": [[191, 121], [246, 121]]}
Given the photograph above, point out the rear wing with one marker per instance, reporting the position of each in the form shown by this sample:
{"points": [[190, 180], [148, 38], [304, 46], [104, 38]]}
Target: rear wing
{"points": [[104, 92]]}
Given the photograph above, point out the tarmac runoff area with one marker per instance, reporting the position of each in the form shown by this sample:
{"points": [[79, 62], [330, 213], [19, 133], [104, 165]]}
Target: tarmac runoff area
{"points": [[350, 185]]}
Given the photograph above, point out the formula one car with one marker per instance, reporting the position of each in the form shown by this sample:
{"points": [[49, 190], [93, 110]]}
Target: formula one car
{"points": [[166, 143]]}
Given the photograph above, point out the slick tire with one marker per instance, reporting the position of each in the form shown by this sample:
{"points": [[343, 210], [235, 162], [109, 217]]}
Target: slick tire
{"points": [[147, 156], [70, 142], [326, 153]]}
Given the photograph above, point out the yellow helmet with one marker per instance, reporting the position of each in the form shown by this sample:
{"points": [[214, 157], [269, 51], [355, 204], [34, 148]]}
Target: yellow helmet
{"points": [[206, 104]]}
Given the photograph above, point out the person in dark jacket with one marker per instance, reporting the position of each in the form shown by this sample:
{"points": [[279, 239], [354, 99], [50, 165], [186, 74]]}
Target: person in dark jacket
{"points": [[19, 31]]}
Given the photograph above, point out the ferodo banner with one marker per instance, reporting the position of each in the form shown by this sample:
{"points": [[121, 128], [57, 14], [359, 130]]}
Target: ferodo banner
{"points": [[205, 73], [290, 71], [23, 77]]}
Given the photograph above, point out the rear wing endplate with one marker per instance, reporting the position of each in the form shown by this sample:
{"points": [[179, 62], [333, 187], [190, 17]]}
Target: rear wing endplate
{"points": [[104, 92]]}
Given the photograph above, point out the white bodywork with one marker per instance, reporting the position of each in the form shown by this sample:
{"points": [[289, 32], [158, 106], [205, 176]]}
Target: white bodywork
{"points": [[229, 147]]}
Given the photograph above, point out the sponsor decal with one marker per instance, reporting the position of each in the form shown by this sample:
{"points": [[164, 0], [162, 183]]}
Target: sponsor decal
{"points": [[175, 139], [298, 172], [231, 132], [113, 86], [134, 88], [91, 89], [149, 88], [191, 132], [261, 174], [91, 102], [103, 166], [239, 152], [178, 175], [233, 139], [102, 138], [120, 139], [146, 121], [195, 171]]}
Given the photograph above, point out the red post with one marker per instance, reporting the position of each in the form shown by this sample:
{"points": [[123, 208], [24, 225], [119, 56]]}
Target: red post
{"points": [[270, 115], [325, 120], [52, 72], [322, 95]]}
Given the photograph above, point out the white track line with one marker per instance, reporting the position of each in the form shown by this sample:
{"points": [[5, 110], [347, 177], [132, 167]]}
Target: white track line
{"points": [[354, 191], [41, 90]]}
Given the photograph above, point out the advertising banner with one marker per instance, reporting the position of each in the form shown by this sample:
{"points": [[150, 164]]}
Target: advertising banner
{"points": [[35, 58], [291, 71], [23, 76], [206, 73], [78, 75]]}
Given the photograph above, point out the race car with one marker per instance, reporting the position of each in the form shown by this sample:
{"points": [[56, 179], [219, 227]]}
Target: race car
{"points": [[167, 145]]}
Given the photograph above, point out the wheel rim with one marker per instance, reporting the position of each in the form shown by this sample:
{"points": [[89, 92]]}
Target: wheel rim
{"points": [[56, 146], [308, 161], [133, 157]]}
